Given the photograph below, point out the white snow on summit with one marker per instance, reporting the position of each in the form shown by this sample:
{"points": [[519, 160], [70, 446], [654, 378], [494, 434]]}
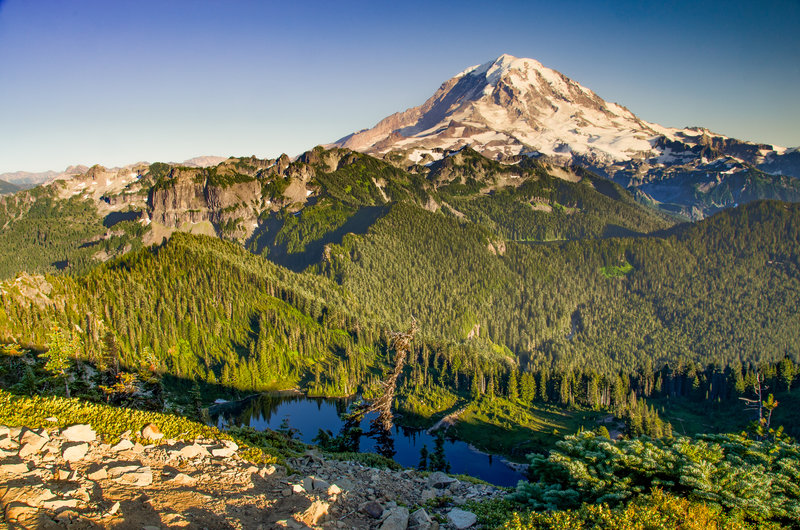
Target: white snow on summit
{"points": [[512, 106]]}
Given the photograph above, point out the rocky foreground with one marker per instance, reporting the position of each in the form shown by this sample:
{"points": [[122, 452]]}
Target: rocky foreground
{"points": [[72, 478]]}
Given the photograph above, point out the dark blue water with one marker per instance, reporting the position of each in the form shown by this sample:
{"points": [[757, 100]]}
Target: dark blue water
{"points": [[309, 415]]}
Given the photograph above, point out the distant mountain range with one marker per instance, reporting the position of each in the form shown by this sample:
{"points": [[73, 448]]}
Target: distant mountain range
{"points": [[510, 108], [27, 179], [7, 187]]}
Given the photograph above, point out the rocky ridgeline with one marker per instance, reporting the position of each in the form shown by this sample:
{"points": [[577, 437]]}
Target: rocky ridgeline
{"points": [[71, 478]]}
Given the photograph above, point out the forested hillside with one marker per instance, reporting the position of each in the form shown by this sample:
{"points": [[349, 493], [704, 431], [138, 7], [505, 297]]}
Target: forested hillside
{"points": [[531, 283]]}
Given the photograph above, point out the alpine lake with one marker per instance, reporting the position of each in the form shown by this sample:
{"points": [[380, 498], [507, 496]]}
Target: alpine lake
{"points": [[304, 416]]}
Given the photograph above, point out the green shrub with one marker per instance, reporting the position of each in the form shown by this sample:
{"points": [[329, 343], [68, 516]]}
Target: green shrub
{"points": [[757, 478]]}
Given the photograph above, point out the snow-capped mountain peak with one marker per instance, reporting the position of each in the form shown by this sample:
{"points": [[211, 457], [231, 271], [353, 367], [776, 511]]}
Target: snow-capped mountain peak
{"points": [[513, 106], [510, 106]]}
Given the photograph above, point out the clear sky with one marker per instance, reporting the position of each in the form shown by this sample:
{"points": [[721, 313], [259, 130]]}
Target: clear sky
{"points": [[118, 81]]}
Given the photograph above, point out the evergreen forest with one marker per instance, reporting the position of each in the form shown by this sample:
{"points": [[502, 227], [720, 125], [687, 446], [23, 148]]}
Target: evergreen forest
{"points": [[537, 290]]}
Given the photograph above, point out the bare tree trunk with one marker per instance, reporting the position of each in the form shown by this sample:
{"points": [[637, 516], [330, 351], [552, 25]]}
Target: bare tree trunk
{"points": [[401, 343]]}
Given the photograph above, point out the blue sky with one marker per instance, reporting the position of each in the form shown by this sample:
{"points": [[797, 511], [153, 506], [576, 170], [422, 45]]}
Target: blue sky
{"points": [[117, 82]]}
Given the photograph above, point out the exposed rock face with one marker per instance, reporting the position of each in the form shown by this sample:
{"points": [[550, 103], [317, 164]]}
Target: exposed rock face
{"points": [[187, 197]]}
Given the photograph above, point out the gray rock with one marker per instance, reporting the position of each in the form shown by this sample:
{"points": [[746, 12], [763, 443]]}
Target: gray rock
{"points": [[141, 477], [132, 475], [320, 485], [440, 480], [268, 470], [461, 518], [345, 483], [26, 435], [420, 520], [371, 508], [73, 452], [428, 494], [334, 490], [315, 514], [397, 520], [79, 433]]}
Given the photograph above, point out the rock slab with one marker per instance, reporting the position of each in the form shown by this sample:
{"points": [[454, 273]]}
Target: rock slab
{"points": [[461, 519]]}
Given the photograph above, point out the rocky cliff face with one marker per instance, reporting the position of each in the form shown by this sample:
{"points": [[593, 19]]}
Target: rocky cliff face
{"points": [[188, 196]]}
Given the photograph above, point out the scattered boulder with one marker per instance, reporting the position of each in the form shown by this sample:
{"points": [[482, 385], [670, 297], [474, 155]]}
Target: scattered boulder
{"points": [[333, 489], [72, 452], [123, 445], [56, 503], [27, 436], [132, 475], [372, 508], [64, 474], [79, 433], [440, 480], [397, 519], [266, 471], [461, 519], [99, 474], [21, 515], [7, 442], [420, 520], [31, 442], [151, 432], [193, 451], [183, 479], [10, 468], [226, 451], [315, 513], [315, 484]]}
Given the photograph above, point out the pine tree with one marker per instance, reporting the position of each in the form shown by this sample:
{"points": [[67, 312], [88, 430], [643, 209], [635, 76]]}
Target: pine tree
{"points": [[423, 458], [62, 348], [786, 371], [527, 388], [513, 387]]}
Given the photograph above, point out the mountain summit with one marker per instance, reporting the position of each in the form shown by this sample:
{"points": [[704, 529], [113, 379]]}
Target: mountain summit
{"points": [[510, 107], [513, 106]]}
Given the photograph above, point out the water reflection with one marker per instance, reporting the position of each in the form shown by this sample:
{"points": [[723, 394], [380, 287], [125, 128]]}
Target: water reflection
{"points": [[307, 416]]}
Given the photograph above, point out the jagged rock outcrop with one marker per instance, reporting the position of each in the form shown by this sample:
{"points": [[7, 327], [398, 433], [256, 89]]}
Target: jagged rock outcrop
{"points": [[188, 196]]}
